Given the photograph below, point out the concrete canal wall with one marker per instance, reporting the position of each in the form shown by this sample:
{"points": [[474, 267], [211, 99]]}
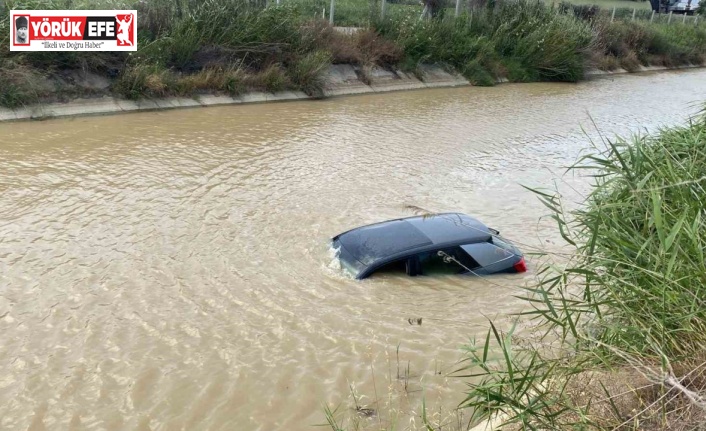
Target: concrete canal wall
{"points": [[342, 79]]}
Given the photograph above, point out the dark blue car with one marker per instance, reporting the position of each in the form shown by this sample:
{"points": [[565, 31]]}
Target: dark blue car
{"points": [[435, 244]]}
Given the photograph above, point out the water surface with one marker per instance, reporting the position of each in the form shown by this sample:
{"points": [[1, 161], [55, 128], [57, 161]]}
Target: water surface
{"points": [[171, 270]]}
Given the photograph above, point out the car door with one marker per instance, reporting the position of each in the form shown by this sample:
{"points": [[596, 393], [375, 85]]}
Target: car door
{"points": [[451, 260]]}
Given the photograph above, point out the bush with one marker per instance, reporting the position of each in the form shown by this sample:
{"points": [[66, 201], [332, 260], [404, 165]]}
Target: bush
{"points": [[687, 43], [320, 35], [556, 50], [606, 62]]}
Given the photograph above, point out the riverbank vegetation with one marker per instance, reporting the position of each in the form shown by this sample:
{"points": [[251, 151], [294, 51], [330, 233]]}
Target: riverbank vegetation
{"points": [[233, 46], [525, 42], [621, 319]]}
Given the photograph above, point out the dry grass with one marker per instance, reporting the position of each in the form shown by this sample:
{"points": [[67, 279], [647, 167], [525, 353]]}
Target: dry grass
{"points": [[155, 83], [606, 62], [630, 62], [206, 79], [376, 50], [139, 81], [233, 81], [319, 34], [271, 80], [366, 47], [639, 398]]}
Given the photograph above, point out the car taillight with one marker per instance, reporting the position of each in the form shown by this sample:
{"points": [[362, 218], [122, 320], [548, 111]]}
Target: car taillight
{"points": [[520, 266]]}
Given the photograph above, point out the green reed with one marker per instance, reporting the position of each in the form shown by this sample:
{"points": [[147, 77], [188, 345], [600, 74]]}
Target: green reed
{"points": [[630, 296]]}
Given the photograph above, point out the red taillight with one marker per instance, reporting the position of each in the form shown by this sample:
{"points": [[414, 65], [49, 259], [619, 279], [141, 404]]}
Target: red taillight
{"points": [[520, 266]]}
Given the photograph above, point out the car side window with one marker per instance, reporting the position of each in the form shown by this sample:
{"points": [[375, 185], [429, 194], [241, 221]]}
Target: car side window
{"points": [[434, 264], [487, 254]]}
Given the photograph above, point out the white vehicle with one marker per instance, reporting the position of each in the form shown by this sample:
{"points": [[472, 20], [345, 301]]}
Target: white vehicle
{"points": [[683, 6]]}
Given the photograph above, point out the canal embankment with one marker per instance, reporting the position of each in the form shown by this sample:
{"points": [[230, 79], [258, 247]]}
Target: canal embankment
{"points": [[207, 53], [341, 80]]}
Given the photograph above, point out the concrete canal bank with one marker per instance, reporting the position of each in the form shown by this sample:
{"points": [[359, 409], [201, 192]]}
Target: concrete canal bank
{"points": [[342, 79]]}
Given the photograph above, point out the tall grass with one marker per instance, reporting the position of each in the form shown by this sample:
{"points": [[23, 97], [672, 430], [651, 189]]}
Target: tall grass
{"points": [[631, 297], [524, 40], [635, 44], [529, 41], [285, 47]]}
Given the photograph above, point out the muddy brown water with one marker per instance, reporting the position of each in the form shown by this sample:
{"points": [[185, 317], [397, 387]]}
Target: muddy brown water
{"points": [[171, 270]]}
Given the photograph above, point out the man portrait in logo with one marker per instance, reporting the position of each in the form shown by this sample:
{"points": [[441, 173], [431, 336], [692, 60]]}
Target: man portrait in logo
{"points": [[21, 30]]}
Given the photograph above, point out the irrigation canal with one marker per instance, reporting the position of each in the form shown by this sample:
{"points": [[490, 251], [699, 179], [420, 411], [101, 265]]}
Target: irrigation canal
{"points": [[170, 270]]}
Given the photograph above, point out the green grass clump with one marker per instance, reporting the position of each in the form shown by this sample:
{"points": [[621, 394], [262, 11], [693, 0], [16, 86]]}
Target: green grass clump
{"points": [[551, 45], [451, 42], [477, 74], [309, 72], [141, 81]]}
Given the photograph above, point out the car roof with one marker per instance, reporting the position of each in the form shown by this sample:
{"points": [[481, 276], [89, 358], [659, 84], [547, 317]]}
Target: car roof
{"points": [[374, 244]]}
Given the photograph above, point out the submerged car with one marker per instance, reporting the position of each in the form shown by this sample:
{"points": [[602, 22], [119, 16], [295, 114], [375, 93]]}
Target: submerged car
{"points": [[450, 243]]}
